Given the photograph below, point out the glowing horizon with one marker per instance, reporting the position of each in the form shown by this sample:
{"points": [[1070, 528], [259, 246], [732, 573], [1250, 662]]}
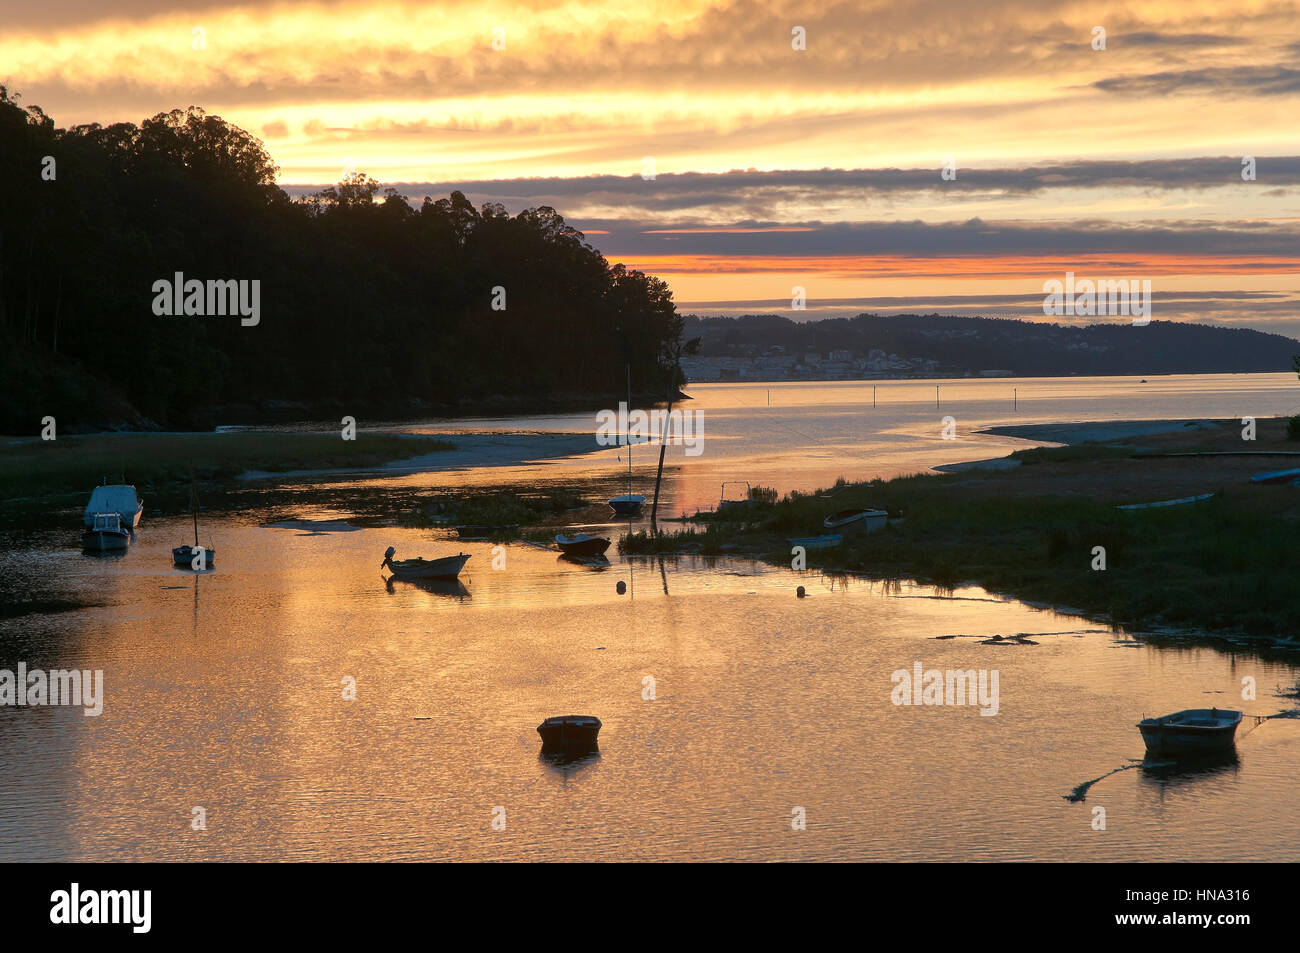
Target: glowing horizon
{"points": [[698, 121]]}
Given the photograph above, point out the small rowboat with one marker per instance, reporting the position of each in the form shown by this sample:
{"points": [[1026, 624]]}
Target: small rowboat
{"points": [[629, 504], [856, 521], [1194, 731], [194, 557], [816, 542], [571, 734], [187, 557], [448, 567], [582, 544], [105, 534]]}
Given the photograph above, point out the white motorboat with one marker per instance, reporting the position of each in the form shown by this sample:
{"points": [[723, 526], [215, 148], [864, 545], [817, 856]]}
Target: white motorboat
{"points": [[105, 534], [119, 499]]}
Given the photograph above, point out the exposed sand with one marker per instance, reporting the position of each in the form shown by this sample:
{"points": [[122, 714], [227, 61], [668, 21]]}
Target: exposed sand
{"points": [[1221, 459], [472, 450], [993, 463], [1100, 431]]}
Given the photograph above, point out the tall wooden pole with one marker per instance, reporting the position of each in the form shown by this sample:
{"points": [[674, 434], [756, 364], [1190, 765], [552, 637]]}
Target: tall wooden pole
{"points": [[663, 445]]}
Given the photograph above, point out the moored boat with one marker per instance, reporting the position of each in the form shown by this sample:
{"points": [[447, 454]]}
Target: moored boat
{"points": [[582, 545], [105, 534], [816, 542], [119, 499], [629, 504], [1193, 731], [188, 557], [571, 734], [194, 557], [447, 567], [856, 521]]}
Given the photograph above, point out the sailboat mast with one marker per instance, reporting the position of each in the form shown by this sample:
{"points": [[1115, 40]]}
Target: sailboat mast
{"points": [[628, 437], [194, 508]]}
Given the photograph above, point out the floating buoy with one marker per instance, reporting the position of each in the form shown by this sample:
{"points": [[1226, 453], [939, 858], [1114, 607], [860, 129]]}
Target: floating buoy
{"points": [[801, 592]]}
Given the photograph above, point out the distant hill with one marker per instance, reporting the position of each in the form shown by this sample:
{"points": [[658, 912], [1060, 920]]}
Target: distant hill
{"points": [[933, 344]]}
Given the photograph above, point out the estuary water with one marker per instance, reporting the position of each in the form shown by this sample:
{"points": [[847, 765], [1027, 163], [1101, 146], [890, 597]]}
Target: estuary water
{"points": [[314, 712], [802, 436]]}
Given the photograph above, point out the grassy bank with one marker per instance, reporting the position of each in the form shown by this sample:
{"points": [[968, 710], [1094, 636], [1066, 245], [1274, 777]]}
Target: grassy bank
{"points": [[506, 512], [1231, 564], [34, 469]]}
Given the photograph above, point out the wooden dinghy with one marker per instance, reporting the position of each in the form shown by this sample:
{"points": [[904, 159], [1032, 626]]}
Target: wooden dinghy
{"points": [[855, 521], [581, 544], [448, 567], [1193, 731]]}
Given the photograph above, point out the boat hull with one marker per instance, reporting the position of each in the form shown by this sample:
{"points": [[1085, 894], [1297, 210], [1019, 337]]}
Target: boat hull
{"points": [[105, 541], [1194, 732], [816, 542], [183, 556], [448, 567], [583, 546], [627, 505], [569, 734], [855, 522]]}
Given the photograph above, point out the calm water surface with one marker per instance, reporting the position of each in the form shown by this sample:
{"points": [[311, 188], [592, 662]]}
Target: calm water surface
{"points": [[224, 690], [802, 436]]}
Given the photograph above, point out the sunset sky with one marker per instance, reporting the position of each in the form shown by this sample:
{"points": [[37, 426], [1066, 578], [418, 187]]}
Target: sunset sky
{"points": [[773, 167]]}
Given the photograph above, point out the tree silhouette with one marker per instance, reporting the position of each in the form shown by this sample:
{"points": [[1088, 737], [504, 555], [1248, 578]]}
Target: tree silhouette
{"points": [[369, 305]]}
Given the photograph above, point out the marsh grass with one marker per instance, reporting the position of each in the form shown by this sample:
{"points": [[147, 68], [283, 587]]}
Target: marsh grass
{"points": [[502, 508], [1231, 563]]}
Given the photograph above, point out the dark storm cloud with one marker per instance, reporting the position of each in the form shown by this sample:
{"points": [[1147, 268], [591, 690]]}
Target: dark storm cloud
{"points": [[1238, 80], [1243, 241], [670, 192]]}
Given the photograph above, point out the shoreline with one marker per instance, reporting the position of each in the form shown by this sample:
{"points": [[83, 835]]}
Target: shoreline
{"points": [[472, 450], [1073, 434], [1031, 526]]}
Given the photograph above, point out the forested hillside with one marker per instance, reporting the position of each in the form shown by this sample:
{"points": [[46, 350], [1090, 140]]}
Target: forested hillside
{"points": [[367, 305], [1027, 348]]}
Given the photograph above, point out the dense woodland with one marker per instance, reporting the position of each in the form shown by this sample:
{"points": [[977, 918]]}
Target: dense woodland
{"points": [[1028, 348], [368, 305]]}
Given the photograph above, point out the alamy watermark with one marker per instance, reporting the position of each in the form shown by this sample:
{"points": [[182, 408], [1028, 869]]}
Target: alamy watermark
{"points": [[194, 297], [38, 688], [922, 686], [75, 905], [1085, 297], [677, 426]]}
